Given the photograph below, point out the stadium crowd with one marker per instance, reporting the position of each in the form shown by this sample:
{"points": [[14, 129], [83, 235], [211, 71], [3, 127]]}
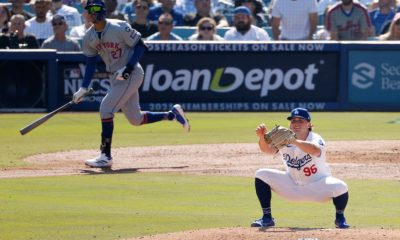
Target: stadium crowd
{"points": [[61, 24]]}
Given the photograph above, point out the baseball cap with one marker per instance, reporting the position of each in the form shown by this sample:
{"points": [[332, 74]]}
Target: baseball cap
{"points": [[95, 3], [301, 113], [242, 10], [58, 18]]}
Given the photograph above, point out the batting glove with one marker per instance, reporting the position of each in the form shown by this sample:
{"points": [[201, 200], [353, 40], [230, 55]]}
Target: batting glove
{"points": [[78, 96]]}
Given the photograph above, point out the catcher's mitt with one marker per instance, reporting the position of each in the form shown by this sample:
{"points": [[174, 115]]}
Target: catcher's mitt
{"points": [[279, 137]]}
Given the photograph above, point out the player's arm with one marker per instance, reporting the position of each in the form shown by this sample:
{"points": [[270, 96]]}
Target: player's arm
{"points": [[308, 147], [313, 24], [138, 51], [91, 63], [275, 22], [264, 147]]}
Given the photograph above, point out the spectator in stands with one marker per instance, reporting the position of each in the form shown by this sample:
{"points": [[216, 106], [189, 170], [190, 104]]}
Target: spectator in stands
{"points": [[167, 6], [165, 25], [394, 30], [71, 14], [40, 26], [203, 9], [79, 31], [244, 30], [129, 10], [187, 7], [294, 19], [348, 21], [17, 7], [381, 16], [60, 41], [323, 6], [256, 8], [141, 23], [4, 18], [206, 30], [111, 10], [16, 39]]}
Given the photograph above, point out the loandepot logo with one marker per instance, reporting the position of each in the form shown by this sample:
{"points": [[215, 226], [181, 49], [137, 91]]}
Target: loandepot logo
{"points": [[263, 80], [363, 75]]}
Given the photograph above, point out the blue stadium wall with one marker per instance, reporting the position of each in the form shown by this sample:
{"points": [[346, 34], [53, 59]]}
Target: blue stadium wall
{"points": [[219, 76]]}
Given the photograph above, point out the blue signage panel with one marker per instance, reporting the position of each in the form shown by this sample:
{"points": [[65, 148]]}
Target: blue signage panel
{"points": [[374, 77], [227, 81], [276, 80]]}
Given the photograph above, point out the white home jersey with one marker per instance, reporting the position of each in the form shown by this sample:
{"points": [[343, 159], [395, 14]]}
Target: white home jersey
{"points": [[115, 45], [302, 167]]}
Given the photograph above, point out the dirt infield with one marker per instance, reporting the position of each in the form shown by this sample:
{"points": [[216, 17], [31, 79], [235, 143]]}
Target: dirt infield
{"points": [[355, 159], [277, 234], [350, 159]]}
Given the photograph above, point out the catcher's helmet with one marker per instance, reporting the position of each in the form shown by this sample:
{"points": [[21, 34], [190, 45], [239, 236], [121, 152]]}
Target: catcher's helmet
{"points": [[96, 7]]}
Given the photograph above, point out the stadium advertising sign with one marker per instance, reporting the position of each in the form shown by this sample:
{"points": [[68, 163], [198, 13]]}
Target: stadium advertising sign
{"points": [[227, 46], [232, 81], [374, 77], [72, 74]]}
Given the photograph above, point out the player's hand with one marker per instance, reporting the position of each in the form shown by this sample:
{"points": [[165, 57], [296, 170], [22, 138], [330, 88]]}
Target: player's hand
{"points": [[78, 95], [261, 130]]}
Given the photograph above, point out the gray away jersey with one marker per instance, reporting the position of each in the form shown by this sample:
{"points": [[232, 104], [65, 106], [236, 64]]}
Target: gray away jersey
{"points": [[115, 46]]}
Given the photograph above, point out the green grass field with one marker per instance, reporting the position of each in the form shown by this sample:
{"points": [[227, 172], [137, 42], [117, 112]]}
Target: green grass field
{"points": [[126, 205]]}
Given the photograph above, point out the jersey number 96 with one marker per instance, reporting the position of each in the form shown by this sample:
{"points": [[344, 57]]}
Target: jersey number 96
{"points": [[308, 171]]}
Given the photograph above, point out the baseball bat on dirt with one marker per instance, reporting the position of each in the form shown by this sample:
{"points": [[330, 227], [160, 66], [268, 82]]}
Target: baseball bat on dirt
{"points": [[46, 117]]}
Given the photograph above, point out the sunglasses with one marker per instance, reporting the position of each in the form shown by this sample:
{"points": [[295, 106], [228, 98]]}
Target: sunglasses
{"points": [[94, 9], [209, 28], [141, 7], [397, 23], [57, 23], [164, 23]]}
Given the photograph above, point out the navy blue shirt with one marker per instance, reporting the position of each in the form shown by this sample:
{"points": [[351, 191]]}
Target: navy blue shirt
{"points": [[379, 20]]}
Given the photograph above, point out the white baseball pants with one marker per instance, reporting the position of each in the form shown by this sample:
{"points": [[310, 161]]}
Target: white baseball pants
{"points": [[321, 191]]}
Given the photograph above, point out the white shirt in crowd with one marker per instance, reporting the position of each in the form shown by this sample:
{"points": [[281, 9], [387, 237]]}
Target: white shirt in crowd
{"points": [[188, 6], [71, 14], [294, 15], [42, 30], [254, 34], [78, 32]]}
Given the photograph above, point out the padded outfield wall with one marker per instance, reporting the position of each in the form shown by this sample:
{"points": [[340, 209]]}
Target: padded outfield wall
{"points": [[219, 76]]}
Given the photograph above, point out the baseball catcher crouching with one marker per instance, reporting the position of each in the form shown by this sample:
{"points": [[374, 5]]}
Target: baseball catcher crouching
{"points": [[307, 177]]}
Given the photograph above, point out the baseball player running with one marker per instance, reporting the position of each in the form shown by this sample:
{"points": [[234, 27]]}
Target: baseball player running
{"points": [[121, 48], [307, 176]]}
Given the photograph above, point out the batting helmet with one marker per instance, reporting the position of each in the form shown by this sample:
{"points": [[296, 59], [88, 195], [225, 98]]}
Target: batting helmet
{"points": [[96, 7]]}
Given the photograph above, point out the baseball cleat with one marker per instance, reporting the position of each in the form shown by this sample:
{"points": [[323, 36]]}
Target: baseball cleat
{"points": [[341, 223], [263, 223], [180, 117], [102, 161]]}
